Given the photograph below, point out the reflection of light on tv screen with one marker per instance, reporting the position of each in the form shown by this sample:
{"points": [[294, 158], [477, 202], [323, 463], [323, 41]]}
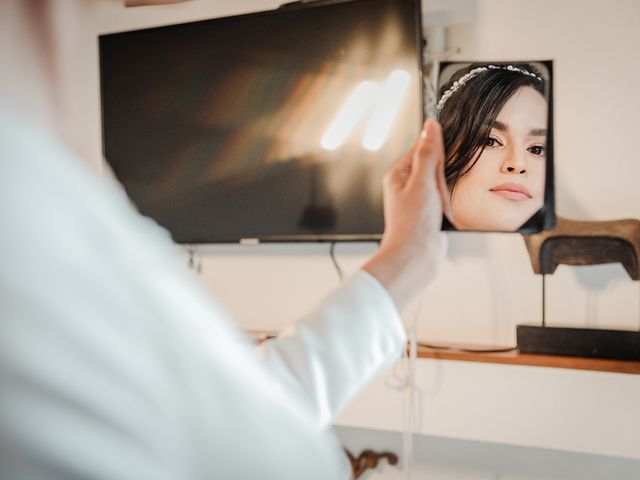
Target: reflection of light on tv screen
{"points": [[386, 108], [354, 109], [381, 103]]}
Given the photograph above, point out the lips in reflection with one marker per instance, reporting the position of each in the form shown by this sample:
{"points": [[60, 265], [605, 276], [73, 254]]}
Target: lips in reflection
{"points": [[511, 191]]}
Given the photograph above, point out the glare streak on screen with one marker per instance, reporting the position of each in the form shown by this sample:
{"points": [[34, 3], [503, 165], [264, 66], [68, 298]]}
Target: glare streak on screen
{"points": [[386, 109], [356, 106]]}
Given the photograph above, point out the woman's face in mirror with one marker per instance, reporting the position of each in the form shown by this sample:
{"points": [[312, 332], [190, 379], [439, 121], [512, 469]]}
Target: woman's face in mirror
{"points": [[505, 186]]}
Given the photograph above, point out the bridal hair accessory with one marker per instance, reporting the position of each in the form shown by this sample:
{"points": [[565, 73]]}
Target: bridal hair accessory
{"points": [[476, 71]]}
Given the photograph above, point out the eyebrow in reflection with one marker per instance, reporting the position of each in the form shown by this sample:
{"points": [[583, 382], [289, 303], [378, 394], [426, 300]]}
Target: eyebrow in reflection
{"points": [[538, 132], [499, 126], [503, 127]]}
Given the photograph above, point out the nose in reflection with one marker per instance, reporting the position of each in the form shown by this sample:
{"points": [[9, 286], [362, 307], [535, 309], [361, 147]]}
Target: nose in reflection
{"points": [[514, 163]]}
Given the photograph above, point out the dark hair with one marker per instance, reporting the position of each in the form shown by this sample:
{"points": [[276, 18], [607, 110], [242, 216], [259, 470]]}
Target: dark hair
{"points": [[468, 114]]}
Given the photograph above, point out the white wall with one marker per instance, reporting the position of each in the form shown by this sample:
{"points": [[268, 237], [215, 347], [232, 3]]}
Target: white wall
{"points": [[487, 285]]}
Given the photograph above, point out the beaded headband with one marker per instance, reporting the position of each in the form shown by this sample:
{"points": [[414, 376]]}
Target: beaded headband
{"points": [[476, 71]]}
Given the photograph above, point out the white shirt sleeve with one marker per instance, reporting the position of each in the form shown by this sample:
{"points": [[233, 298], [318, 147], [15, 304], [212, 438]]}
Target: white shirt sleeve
{"points": [[330, 355]]}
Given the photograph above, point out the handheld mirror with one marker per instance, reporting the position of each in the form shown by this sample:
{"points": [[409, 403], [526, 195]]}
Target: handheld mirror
{"points": [[497, 125]]}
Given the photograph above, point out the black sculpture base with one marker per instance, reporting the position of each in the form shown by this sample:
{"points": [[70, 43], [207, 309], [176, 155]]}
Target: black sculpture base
{"points": [[579, 342]]}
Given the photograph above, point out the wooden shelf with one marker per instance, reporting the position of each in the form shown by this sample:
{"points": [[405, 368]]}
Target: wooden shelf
{"points": [[513, 357], [470, 353]]}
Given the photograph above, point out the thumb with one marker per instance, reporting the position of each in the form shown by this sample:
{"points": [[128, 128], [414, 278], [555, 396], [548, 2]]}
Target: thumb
{"points": [[429, 154]]}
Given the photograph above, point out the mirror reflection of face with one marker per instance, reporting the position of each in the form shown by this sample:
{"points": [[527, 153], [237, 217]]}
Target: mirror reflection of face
{"points": [[505, 186]]}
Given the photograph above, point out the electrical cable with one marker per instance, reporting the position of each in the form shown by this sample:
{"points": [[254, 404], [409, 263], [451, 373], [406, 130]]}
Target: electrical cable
{"points": [[335, 262], [194, 262], [412, 391], [403, 380]]}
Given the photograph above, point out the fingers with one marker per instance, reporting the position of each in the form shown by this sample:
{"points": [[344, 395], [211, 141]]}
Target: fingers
{"points": [[400, 172], [434, 165], [429, 152], [424, 162], [428, 163], [443, 189]]}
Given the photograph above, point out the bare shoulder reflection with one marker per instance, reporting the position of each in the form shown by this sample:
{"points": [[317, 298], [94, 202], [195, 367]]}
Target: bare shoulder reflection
{"points": [[494, 121]]}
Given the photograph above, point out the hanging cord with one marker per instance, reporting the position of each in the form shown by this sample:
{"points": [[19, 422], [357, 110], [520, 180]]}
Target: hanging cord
{"points": [[403, 379], [412, 392], [335, 262], [194, 263]]}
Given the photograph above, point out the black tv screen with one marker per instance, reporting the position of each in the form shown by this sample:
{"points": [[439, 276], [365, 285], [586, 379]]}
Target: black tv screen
{"points": [[275, 126]]}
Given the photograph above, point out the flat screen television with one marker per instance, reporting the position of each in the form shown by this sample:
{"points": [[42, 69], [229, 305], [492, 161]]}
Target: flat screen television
{"points": [[269, 126]]}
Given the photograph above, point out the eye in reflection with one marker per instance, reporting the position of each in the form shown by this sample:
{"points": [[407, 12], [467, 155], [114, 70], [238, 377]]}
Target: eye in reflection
{"points": [[494, 122]]}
